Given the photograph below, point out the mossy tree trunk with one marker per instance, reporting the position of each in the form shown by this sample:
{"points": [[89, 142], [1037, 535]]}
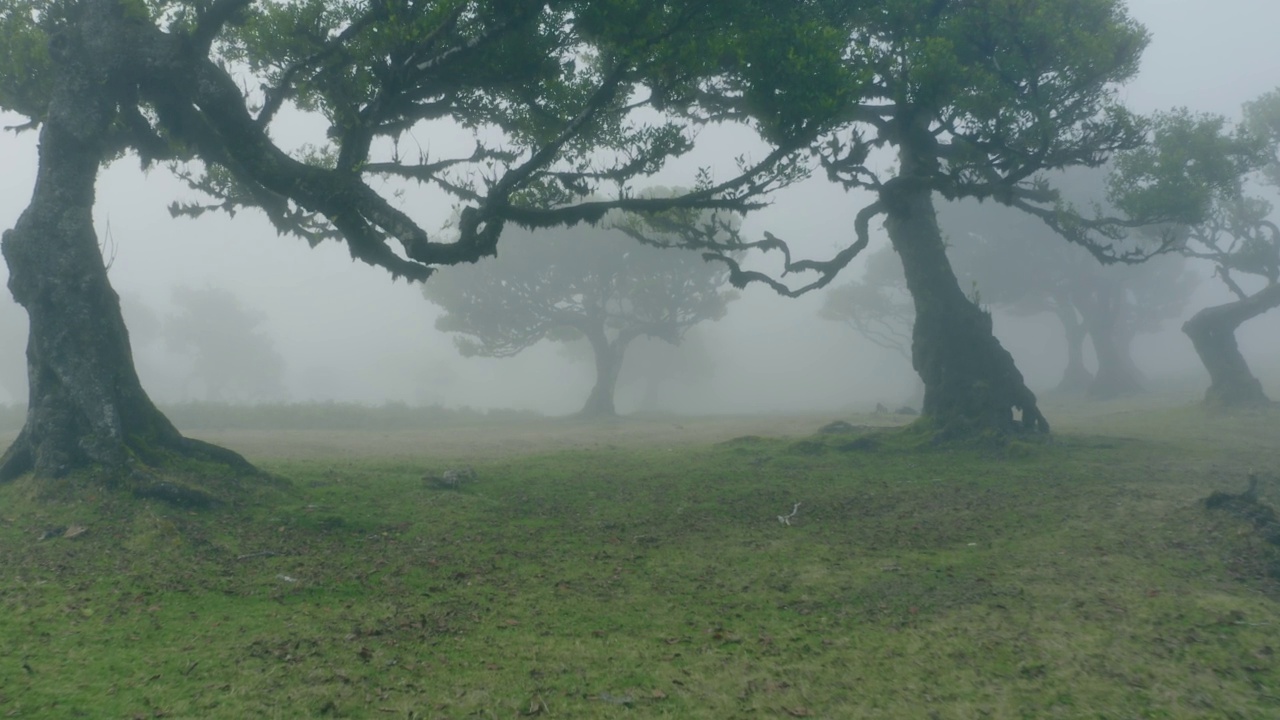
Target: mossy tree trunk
{"points": [[86, 406], [971, 382], [1213, 333]]}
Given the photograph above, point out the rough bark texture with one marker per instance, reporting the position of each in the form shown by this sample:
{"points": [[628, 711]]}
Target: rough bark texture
{"points": [[86, 406], [1213, 333], [971, 382]]}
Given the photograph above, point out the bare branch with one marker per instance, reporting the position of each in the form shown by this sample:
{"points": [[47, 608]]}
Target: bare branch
{"points": [[1078, 229], [733, 194], [705, 238]]}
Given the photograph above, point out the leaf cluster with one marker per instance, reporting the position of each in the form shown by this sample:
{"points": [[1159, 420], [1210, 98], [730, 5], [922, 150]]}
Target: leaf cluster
{"points": [[570, 99], [1192, 161], [560, 96], [1198, 171], [978, 99], [558, 84], [24, 57], [989, 93]]}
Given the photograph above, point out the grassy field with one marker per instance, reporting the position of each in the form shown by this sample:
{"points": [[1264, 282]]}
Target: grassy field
{"points": [[639, 569]]}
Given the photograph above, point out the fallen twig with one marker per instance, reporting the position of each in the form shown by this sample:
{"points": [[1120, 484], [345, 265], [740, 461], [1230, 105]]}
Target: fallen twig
{"points": [[262, 553], [786, 519]]}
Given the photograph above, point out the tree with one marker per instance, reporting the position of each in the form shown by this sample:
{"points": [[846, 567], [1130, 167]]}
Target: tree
{"points": [[574, 284], [1239, 239], [232, 357], [557, 88], [1015, 262], [1117, 304], [975, 98], [1019, 263], [1214, 164], [877, 307], [657, 370]]}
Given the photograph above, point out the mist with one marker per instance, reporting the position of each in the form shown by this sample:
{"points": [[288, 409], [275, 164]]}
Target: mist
{"points": [[345, 332]]}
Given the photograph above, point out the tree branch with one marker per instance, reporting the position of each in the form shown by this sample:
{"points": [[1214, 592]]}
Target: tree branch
{"points": [[211, 19], [1076, 229], [274, 98]]}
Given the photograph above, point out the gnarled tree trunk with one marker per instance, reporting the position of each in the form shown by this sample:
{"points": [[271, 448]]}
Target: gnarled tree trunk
{"points": [[971, 382], [1213, 333], [1118, 374], [608, 357], [1103, 307], [1076, 378], [86, 406]]}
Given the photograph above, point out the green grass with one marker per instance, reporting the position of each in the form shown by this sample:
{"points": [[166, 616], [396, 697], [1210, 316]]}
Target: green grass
{"points": [[1078, 579]]}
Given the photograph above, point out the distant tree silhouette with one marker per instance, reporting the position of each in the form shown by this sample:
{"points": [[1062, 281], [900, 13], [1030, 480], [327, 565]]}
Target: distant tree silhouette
{"points": [[877, 307], [572, 284], [1018, 263], [1239, 235], [232, 357]]}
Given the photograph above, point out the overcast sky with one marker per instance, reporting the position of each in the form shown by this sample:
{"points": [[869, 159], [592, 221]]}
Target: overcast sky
{"points": [[348, 332]]}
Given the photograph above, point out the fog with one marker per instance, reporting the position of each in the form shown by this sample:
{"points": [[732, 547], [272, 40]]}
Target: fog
{"points": [[344, 331]]}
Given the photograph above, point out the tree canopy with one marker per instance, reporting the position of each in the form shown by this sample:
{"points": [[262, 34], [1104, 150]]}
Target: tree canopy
{"points": [[565, 98], [975, 99], [560, 95], [1220, 168], [578, 284]]}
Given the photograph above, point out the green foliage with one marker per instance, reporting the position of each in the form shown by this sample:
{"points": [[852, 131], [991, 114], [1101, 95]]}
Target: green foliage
{"points": [[991, 92], [1262, 121], [977, 100], [788, 64], [1191, 162], [1242, 236], [532, 69], [560, 96], [277, 36], [24, 58], [1198, 170]]}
